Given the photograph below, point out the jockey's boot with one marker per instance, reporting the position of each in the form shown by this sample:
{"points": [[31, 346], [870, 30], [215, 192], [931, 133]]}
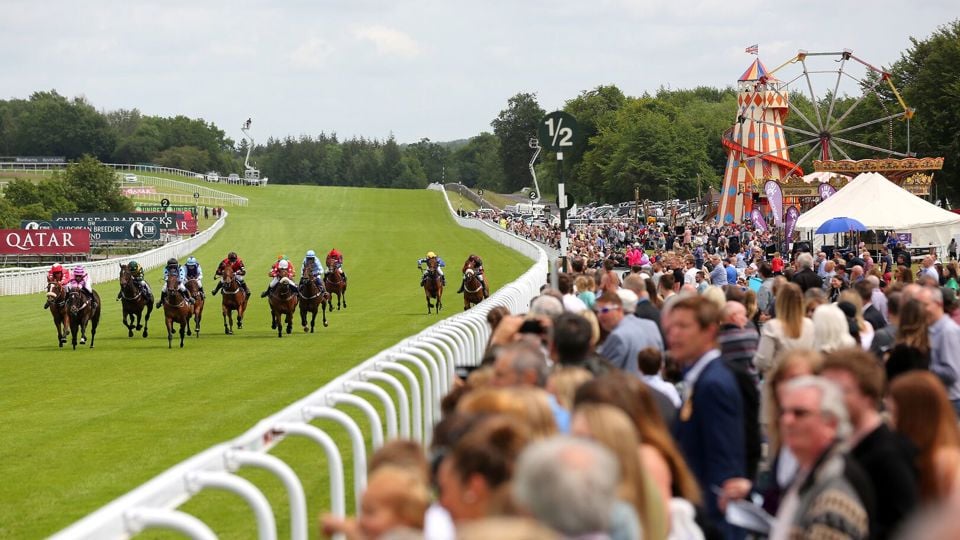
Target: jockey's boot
{"points": [[462, 285], [90, 297], [294, 288], [265, 293], [423, 280], [46, 304], [443, 279], [119, 293], [163, 295], [344, 275], [202, 295], [217, 288], [149, 296], [246, 289], [486, 291], [319, 281], [187, 296]]}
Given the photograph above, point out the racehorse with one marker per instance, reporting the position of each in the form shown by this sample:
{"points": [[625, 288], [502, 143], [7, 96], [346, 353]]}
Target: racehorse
{"points": [[311, 297], [193, 287], [57, 300], [176, 309], [133, 301], [282, 302], [80, 312], [433, 285], [472, 288], [334, 282], [234, 298]]}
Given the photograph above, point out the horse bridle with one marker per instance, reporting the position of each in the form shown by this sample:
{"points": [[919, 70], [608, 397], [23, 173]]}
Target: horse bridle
{"points": [[63, 302], [74, 309], [124, 296]]}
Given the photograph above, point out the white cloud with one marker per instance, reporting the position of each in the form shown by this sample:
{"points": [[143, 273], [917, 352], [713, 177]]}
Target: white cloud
{"points": [[388, 41], [311, 54]]}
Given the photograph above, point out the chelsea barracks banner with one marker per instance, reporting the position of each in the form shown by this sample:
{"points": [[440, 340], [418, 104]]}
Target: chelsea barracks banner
{"points": [[44, 242], [167, 221]]}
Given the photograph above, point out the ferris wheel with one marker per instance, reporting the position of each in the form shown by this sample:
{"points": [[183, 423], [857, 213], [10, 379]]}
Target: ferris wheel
{"points": [[825, 125]]}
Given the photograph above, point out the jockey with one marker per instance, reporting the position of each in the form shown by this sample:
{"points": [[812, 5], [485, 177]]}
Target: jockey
{"points": [[59, 275], [335, 253], [440, 265], [311, 258], [80, 280], [136, 272], [478, 268], [173, 268], [192, 270], [238, 270], [283, 267]]}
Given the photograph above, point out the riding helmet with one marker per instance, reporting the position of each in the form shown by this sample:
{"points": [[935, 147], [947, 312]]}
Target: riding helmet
{"points": [[56, 268], [431, 254], [133, 266], [283, 264], [79, 271], [192, 261], [232, 256], [172, 262], [311, 254]]}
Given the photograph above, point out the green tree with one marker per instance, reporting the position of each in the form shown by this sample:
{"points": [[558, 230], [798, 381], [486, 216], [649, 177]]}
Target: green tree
{"points": [[189, 158], [515, 126], [94, 188], [478, 163], [51, 125]]}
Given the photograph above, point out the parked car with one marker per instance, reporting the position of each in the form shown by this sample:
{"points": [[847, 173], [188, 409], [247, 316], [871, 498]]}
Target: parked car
{"points": [[213, 176], [130, 178], [234, 178]]}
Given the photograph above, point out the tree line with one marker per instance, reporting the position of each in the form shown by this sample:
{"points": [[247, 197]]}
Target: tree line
{"points": [[666, 144]]}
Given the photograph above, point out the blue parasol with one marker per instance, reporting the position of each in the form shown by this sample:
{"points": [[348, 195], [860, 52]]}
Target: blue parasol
{"points": [[840, 225]]}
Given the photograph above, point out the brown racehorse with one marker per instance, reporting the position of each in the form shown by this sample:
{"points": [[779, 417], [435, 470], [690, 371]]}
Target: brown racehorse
{"points": [[81, 311], [334, 282], [57, 300], [234, 299], [193, 287], [472, 289], [283, 301], [177, 310], [133, 300], [433, 286], [312, 297]]}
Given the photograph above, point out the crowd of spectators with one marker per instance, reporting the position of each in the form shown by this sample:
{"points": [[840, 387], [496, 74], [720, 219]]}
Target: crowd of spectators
{"points": [[667, 401]]}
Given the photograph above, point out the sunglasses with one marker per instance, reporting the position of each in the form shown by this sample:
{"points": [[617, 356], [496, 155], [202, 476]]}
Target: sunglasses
{"points": [[606, 309]]}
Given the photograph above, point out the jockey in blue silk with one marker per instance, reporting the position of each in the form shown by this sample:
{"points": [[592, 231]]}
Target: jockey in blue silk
{"points": [[192, 270], [317, 273], [173, 268], [440, 265], [136, 272]]}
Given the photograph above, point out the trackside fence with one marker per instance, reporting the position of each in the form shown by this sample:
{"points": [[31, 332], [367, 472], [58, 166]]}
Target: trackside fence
{"points": [[414, 375], [34, 280]]}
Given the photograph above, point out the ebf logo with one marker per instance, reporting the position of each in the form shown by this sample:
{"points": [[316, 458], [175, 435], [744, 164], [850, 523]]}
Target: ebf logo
{"points": [[143, 229]]}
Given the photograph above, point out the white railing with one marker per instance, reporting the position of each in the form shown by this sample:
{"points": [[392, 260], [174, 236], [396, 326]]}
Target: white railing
{"points": [[423, 363], [34, 280], [207, 196]]}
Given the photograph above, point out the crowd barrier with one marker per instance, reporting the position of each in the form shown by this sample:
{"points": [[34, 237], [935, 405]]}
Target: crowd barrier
{"points": [[418, 371], [34, 280]]}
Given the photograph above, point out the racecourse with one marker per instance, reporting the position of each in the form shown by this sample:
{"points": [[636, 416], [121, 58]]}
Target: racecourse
{"points": [[83, 427]]}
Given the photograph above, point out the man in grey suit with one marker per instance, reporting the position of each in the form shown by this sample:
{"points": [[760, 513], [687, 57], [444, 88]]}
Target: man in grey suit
{"points": [[627, 335]]}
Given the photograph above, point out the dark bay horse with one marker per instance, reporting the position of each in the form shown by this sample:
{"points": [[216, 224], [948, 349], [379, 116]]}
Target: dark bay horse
{"points": [[133, 301], [57, 300], [193, 287], [234, 299], [283, 301], [312, 297], [80, 312], [472, 289], [177, 310], [433, 286], [334, 282]]}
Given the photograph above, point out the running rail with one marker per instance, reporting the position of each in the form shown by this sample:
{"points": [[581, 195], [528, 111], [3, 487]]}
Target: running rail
{"points": [[424, 364]]}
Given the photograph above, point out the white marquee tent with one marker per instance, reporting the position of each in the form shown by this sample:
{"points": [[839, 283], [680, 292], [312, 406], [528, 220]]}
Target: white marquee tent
{"points": [[882, 205]]}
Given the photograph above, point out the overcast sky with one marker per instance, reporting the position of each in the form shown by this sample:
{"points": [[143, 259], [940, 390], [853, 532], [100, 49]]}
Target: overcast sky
{"points": [[429, 68]]}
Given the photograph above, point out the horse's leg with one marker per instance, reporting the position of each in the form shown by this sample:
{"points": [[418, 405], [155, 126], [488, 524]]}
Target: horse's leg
{"points": [[226, 312], [73, 331], [184, 325], [94, 321], [241, 309], [273, 319], [128, 322], [83, 331], [60, 337], [169, 331], [313, 319], [146, 318], [289, 322], [303, 317], [198, 314], [343, 291], [323, 305]]}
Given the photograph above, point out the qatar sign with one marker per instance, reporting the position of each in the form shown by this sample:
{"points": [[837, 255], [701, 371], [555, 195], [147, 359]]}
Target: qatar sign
{"points": [[44, 241]]}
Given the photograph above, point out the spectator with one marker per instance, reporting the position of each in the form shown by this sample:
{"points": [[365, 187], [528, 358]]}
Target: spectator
{"points": [[738, 339], [789, 330], [645, 308], [569, 484], [627, 335], [823, 502], [911, 348], [610, 281], [612, 428], [886, 457], [650, 361], [396, 499], [765, 296], [877, 298], [870, 313], [883, 339], [830, 329], [944, 343], [710, 431], [806, 278], [563, 383], [571, 302], [586, 290], [718, 275], [921, 411], [812, 299]]}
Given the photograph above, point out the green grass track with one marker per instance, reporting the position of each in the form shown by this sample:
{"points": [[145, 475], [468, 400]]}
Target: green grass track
{"points": [[80, 428]]}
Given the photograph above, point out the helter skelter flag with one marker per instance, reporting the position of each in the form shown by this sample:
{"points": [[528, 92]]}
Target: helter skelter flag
{"points": [[775, 198], [826, 190], [758, 222], [792, 216]]}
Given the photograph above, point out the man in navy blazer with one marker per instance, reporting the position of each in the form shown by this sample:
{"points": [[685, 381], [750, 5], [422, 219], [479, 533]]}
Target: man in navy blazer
{"points": [[710, 428]]}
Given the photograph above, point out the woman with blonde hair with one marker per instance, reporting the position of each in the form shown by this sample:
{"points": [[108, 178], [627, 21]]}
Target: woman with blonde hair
{"points": [[564, 381], [527, 406], [789, 330], [864, 328], [586, 290], [612, 428], [922, 412], [830, 329]]}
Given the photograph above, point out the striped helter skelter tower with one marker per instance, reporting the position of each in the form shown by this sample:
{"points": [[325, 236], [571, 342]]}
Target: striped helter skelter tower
{"points": [[756, 146]]}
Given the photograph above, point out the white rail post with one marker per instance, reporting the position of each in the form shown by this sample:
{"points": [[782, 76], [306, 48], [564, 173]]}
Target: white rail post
{"points": [[338, 504], [138, 520], [431, 355], [416, 415], [234, 459], [389, 409], [403, 400], [266, 525], [376, 426], [357, 443], [427, 393]]}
